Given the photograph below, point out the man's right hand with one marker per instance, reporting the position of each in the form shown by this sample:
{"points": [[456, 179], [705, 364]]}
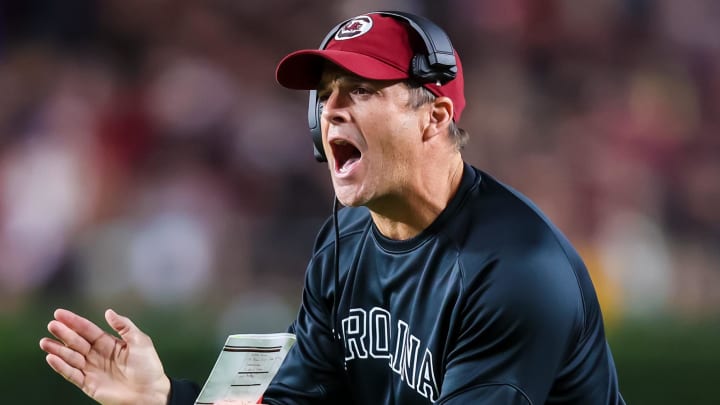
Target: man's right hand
{"points": [[111, 370]]}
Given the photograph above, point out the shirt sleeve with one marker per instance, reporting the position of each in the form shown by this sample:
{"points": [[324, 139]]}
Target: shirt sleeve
{"points": [[309, 374], [520, 317], [504, 394], [183, 392]]}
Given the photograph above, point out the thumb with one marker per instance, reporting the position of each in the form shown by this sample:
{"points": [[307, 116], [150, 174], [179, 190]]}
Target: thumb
{"points": [[123, 326]]}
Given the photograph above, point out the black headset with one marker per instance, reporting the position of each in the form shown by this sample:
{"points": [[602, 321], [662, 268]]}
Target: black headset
{"points": [[437, 65]]}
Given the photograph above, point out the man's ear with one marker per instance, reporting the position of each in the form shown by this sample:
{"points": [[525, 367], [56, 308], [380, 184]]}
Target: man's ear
{"points": [[441, 113]]}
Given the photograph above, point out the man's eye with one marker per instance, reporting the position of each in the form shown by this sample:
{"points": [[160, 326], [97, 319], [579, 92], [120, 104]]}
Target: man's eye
{"points": [[361, 90]]}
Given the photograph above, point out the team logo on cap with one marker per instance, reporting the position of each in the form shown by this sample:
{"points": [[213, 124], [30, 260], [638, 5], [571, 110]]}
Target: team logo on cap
{"points": [[354, 28]]}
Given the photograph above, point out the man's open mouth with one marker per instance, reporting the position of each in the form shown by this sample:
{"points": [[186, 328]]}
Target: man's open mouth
{"points": [[345, 154]]}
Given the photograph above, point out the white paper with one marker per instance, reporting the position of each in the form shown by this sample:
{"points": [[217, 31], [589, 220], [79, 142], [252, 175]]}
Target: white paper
{"points": [[245, 367]]}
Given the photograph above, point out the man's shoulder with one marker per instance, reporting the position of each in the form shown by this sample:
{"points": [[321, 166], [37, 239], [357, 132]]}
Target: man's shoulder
{"points": [[503, 237], [498, 218]]}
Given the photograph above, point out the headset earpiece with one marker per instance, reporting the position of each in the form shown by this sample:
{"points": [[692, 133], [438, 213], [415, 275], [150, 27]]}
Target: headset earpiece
{"points": [[436, 65], [314, 112], [423, 72]]}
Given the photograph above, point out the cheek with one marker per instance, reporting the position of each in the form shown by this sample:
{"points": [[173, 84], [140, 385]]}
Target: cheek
{"points": [[396, 158], [392, 136], [402, 140]]}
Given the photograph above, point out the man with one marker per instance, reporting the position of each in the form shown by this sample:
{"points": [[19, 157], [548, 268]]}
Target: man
{"points": [[436, 284]]}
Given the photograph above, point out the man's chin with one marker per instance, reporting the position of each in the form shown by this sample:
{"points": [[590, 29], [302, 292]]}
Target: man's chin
{"points": [[349, 196]]}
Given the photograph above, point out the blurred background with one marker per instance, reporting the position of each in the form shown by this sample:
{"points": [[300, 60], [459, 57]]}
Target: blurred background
{"points": [[149, 162]]}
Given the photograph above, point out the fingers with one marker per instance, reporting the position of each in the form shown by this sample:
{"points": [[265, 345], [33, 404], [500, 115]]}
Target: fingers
{"points": [[69, 337], [81, 335], [69, 372], [81, 327], [123, 326], [64, 353], [67, 358]]}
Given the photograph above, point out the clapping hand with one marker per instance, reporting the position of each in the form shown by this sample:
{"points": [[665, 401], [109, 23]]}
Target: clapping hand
{"points": [[112, 370]]}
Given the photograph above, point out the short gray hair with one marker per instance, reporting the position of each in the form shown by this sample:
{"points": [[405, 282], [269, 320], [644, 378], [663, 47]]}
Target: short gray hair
{"points": [[419, 96]]}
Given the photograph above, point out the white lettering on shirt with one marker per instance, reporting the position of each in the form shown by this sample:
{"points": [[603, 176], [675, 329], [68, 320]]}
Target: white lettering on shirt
{"points": [[371, 333]]}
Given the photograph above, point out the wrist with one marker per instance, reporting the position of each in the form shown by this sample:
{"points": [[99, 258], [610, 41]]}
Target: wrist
{"points": [[157, 393], [163, 391]]}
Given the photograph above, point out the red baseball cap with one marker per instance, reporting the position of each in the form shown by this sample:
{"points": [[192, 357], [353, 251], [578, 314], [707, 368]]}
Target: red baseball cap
{"points": [[373, 46]]}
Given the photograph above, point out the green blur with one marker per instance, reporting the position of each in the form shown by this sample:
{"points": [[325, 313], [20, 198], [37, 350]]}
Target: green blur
{"points": [[663, 361]]}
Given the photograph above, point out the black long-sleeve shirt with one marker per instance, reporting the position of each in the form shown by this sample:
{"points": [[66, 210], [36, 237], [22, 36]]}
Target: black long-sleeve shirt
{"points": [[489, 305]]}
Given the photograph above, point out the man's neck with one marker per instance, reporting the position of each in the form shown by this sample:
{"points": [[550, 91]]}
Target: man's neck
{"points": [[405, 216]]}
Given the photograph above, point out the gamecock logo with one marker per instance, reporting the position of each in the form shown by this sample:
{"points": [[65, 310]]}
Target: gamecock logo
{"points": [[354, 28]]}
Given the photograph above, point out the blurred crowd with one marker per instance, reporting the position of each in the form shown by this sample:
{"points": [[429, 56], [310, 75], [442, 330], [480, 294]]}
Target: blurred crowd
{"points": [[147, 154]]}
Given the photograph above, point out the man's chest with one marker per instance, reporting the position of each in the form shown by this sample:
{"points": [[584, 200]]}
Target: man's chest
{"points": [[401, 357], [397, 328]]}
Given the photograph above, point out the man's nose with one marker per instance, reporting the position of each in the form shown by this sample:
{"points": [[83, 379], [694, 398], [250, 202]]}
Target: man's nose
{"points": [[334, 110]]}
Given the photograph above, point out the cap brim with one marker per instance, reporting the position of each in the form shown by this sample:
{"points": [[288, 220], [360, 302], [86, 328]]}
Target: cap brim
{"points": [[302, 70]]}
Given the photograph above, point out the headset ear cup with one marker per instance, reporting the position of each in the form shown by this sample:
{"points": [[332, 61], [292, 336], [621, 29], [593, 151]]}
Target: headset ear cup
{"points": [[423, 72], [319, 150], [314, 111]]}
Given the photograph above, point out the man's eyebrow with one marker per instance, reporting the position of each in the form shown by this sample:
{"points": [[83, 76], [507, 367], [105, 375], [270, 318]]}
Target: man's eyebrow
{"points": [[341, 79]]}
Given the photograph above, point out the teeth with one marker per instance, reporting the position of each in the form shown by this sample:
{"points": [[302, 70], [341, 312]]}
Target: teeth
{"points": [[340, 142], [345, 167]]}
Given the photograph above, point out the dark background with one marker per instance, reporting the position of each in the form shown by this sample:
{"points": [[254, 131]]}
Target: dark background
{"points": [[150, 163]]}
